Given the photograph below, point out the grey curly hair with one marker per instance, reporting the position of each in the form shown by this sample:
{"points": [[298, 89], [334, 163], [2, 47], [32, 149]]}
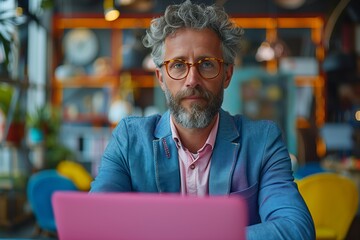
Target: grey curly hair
{"points": [[196, 16]]}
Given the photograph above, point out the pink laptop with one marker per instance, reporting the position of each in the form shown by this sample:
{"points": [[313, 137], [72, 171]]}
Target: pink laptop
{"points": [[134, 216]]}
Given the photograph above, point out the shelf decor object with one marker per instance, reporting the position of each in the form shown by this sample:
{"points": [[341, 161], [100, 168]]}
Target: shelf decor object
{"points": [[81, 46]]}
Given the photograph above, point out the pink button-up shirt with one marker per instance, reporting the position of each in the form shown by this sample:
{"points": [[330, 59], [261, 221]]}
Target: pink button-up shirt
{"points": [[195, 168]]}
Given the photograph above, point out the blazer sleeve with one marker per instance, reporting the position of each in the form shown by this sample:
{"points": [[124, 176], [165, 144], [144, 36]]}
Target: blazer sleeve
{"points": [[114, 174], [283, 212]]}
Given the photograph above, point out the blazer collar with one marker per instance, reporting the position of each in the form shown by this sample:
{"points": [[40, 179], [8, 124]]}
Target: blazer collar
{"points": [[163, 126]]}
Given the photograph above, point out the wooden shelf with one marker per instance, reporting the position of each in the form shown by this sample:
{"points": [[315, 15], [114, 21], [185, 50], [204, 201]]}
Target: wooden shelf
{"points": [[100, 23], [143, 80], [94, 119], [87, 81]]}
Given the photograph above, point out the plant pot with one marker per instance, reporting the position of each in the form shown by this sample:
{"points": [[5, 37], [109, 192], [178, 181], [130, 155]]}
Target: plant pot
{"points": [[16, 133], [35, 135]]}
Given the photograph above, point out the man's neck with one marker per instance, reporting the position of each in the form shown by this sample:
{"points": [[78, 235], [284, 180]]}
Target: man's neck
{"points": [[194, 138]]}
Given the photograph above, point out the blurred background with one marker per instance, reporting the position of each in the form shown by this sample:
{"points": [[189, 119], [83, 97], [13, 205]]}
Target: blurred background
{"points": [[70, 70]]}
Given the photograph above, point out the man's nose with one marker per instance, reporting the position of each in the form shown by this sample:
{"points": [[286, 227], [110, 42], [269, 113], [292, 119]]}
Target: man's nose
{"points": [[193, 78]]}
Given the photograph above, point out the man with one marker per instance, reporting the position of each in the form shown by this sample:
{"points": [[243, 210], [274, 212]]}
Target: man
{"points": [[196, 148]]}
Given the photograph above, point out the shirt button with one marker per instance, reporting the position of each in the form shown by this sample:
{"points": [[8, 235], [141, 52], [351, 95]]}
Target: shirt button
{"points": [[192, 166]]}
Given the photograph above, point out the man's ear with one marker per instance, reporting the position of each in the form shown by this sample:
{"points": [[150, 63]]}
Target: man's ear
{"points": [[160, 77], [228, 74]]}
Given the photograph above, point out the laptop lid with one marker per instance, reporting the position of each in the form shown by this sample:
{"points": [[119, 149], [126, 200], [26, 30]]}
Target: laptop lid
{"points": [[134, 216]]}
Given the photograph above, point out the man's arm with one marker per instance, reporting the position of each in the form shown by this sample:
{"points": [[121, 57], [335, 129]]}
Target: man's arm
{"points": [[113, 173], [283, 212]]}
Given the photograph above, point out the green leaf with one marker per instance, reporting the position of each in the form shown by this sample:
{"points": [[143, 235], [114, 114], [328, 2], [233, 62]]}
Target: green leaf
{"points": [[46, 4], [5, 46]]}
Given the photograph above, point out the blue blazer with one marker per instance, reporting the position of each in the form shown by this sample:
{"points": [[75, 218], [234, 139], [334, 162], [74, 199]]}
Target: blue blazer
{"points": [[249, 159]]}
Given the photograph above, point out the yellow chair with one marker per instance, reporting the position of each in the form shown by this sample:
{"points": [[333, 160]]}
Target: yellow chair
{"points": [[77, 173], [332, 200]]}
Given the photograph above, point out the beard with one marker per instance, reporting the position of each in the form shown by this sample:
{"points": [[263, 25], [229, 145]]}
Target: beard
{"points": [[198, 115]]}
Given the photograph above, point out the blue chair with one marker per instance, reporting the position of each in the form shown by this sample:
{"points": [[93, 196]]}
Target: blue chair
{"points": [[40, 188], [309, 168]]}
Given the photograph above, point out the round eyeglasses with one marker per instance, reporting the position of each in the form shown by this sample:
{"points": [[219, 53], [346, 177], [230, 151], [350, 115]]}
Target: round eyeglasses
{"points": [[208, 67]]}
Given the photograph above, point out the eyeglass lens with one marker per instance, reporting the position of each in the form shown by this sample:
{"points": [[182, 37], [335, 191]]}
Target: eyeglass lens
{"points": [[207, 68]]}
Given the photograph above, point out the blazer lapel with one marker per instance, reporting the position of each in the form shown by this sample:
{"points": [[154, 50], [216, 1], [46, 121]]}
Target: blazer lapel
{"points": [[223, 159], [167, 171]]}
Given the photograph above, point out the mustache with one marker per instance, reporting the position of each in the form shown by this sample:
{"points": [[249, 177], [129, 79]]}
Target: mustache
{"points": [[198, 91]]}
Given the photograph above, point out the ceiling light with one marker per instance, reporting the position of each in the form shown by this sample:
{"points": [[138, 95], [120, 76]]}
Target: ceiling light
{"points": [[110, 12], [265, 52], [125, 2], [357, 115], [290, 4]]}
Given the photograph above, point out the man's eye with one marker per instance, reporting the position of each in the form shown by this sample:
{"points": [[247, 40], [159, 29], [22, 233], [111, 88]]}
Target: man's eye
{"points": [[178, 65], [207, 64]]}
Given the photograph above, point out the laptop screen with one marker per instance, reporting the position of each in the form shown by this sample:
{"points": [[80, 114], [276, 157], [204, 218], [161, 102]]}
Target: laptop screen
{"points": [[80, 215]]}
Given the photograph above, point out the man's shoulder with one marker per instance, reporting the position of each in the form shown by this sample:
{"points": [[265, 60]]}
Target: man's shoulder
{"points": [[257, 122], [242, 120], [247, 125], [142, 122], [153, 125]]}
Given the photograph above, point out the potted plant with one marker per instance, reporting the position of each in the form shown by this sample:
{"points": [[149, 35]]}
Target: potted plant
{"points": [[36, 124], [13, 128], [43, 126]]}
